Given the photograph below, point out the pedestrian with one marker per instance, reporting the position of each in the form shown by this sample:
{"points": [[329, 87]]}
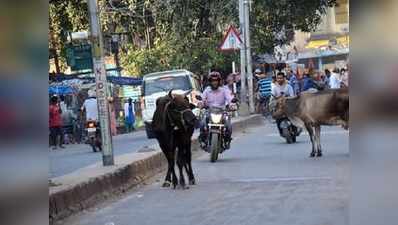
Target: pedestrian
{"points": [[308, 83], [112, 116], [294, 82], [129, 115], [323, 81], [327, 78], [68, 121], [344, 77], [64, 114], [62, 103], [334, 80], [55, 123]]}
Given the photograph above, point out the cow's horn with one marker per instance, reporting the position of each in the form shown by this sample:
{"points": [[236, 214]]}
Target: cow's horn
{"points": [[170, 93], [187, 92]]}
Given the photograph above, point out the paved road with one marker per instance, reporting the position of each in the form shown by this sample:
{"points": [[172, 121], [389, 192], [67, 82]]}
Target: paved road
{"points": [[73, 157], [261, 180]]}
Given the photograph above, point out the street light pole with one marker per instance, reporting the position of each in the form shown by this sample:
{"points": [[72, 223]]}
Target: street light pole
{"points": [[101, 83]]}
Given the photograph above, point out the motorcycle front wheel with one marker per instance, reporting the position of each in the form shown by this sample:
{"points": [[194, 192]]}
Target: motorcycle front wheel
{"points": [[214, 147], [289, 139]]}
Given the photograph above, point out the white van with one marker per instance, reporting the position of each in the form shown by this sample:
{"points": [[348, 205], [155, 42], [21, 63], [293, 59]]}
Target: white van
{"points": [[158, 84]]}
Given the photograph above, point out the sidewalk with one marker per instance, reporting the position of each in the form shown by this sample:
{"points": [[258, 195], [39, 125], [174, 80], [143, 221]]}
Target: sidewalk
{"points": [[90, 185], [77, 156]]}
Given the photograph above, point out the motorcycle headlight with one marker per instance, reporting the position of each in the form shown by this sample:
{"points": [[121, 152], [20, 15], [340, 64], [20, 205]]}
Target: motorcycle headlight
{"points": [[216, 118], [285, 124]]}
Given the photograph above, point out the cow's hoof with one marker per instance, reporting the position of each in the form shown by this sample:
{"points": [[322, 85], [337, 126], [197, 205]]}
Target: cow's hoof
{"points": [[319, 154], [312, 155], [166, 184], [192, 182]]}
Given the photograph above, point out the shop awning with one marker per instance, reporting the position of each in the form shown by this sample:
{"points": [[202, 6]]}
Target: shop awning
{"points": [[343, 40], [317, 43]]}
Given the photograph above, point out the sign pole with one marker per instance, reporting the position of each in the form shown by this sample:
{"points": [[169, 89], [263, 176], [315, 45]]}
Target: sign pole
{"points": [[101, 83], [249, 72], [243, 109]]}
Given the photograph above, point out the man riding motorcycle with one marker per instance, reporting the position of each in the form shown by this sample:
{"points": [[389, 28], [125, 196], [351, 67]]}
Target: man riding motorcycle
{"points": [[264, 87], [281, 88], [90, 106], [215, 95]]}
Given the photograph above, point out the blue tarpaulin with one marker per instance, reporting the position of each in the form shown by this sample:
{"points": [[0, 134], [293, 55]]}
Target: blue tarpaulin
{"points": [[125, 80], [61, 90], [113, 79]]}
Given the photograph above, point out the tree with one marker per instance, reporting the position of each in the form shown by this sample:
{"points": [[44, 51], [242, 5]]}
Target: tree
{"points": [[274, 21], [167, 34]]}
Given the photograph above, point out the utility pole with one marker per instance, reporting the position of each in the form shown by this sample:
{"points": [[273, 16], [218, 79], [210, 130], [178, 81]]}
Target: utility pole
{"points": [[243, 107], [101, 83], [249, 72]]}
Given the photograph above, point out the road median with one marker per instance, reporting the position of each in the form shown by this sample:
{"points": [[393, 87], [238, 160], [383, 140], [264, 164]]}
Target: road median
{"points": [[86, 187]]}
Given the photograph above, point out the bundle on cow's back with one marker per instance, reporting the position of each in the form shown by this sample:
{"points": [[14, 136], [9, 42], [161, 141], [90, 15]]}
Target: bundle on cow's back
{"points": [[311, 110], [173, 125]]}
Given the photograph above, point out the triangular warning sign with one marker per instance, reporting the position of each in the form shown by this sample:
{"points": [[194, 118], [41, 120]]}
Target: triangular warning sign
{"points": [[231, 40]]}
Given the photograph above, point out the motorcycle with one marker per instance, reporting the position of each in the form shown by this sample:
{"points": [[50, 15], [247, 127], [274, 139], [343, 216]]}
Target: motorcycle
{"points": [[216, 139], [288, 130], [262, 105], [94, 135]]}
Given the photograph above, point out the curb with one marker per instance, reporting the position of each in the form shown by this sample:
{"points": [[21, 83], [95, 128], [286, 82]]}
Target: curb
{"points": [[72, 198]]}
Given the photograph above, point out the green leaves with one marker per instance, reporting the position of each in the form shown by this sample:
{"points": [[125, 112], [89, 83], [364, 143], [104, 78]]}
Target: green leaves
{"points": [[274, 21], [169, 34]]}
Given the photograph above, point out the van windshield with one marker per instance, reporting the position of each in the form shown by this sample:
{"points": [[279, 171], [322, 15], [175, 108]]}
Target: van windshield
{"points": [[166, 83]]}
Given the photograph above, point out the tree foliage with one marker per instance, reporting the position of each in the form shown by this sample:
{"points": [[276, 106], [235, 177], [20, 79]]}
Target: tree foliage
{"points": [[274, 21], [167, 34]]}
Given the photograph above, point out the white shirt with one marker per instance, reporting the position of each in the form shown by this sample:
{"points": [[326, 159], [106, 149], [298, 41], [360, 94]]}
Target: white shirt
{"points": [[90, 105], [334, 81], [344, 78], [63, 106], [277, 90]]}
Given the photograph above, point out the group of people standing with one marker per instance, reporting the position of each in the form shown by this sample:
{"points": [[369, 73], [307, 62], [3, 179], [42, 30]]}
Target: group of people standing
{"points": [[290, 84], [63, 121], [309, 80]]}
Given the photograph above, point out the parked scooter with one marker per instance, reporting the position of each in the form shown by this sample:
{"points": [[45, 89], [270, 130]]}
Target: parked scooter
{"points": [[94, 135]]}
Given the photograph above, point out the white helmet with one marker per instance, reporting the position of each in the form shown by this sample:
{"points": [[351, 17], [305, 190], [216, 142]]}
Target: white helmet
{"points": [[257, 71]]}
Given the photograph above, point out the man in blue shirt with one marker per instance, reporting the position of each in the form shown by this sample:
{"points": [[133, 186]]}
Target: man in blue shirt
{"points": [[294, 82], [308, 82], [264, 86]]}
